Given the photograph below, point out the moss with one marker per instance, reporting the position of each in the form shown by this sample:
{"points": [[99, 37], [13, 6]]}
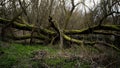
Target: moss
{"points": [[49, 31], [72, 39], [2, 20], [67, 63], [111, 27], [19, 55]]}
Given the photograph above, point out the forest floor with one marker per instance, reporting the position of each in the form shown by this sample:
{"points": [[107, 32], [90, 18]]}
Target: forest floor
{"points": [[39, 56]]}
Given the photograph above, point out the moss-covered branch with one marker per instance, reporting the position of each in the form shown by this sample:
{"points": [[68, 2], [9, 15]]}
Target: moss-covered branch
{"points": [[89, 43], [111, 27], [25, 26], [47, 31], [92, 29], [106, 33], [72, 39], [4, 21], [65, 33]]}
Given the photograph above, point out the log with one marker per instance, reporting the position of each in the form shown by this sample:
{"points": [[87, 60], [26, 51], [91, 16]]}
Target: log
{"points": [[67, 32], [27, 27], [72, 39], [91, 30], [89, 43]]}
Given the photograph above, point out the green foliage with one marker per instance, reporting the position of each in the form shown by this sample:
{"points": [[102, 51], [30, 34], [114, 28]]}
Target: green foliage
{"points": [[17, 53], [66, 63], [20, 56]]}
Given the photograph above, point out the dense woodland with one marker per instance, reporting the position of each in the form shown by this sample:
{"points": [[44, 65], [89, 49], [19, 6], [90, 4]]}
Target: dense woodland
{"points": [[62, 23]]}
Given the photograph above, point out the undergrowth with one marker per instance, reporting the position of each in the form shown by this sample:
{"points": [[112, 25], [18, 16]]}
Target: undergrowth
{"points": [[39, 56]]}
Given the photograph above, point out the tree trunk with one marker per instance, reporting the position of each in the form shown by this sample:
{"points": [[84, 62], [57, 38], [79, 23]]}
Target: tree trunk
{"points": [[61, 39]]}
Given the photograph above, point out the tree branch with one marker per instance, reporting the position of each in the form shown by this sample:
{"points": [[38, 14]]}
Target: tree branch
{"points": [[68, 32]]}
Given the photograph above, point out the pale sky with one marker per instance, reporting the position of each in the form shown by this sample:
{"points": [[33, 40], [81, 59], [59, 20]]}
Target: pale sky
{"points": [[89, 3]]}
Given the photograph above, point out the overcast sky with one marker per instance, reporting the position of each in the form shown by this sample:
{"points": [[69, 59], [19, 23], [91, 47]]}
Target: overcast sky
{"points": [[90, 3]]}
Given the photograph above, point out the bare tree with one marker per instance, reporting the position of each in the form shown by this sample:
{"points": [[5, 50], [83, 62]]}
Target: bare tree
{"points": [[48, 20]]}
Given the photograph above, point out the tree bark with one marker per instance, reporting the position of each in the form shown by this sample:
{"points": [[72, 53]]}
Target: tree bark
{"points": [[68, 32]]}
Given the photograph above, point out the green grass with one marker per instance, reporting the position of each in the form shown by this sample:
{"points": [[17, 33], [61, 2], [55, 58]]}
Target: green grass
{"points": [[19, 56]]}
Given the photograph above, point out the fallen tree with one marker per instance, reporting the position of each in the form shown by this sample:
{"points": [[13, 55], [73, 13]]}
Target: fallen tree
{"points": [[47, 33], [68, 32], [26, 27]]}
